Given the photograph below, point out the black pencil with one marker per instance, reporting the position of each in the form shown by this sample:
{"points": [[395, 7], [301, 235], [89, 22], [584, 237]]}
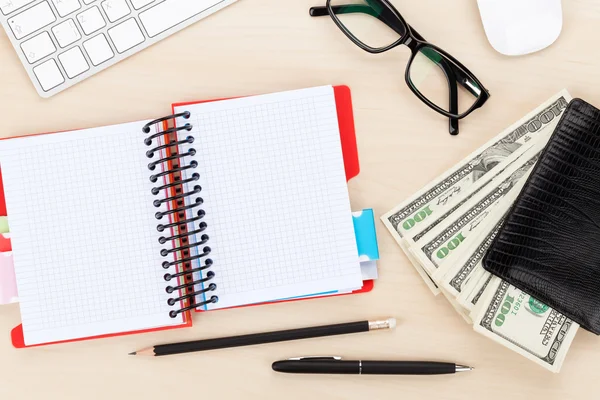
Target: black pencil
{"points": [[266, 337]]}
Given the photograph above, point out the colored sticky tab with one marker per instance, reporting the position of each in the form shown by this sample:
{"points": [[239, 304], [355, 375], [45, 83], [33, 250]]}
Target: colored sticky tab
{"points": [[5, 243], [8, 281], [368, 269], [4, 225], [366, 241], [2, 201], [366, 236]]}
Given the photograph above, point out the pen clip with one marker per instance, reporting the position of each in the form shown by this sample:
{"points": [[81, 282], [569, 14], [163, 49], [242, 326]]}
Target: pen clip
{"points": [[315, 358]]}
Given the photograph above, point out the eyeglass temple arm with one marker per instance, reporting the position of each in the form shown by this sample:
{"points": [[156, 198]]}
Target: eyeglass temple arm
{"points": [[453, 93]]}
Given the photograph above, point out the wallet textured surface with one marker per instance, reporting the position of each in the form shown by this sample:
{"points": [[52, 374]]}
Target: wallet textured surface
{"points": [[549, 244]]}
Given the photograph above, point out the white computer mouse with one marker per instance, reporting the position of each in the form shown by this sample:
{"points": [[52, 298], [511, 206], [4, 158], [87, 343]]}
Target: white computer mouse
{"points": [[517, 27]]}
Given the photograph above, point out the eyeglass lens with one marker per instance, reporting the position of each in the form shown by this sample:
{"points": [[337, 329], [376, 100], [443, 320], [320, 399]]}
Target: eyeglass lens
{"points": [[361, 19], [431, 74]]}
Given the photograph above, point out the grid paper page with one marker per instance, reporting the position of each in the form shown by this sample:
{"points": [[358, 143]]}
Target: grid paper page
{"points": [[83, 232], [275, 196]]}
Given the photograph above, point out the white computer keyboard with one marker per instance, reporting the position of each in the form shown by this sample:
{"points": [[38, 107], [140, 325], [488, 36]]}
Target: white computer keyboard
{"points": [[62, 42]]}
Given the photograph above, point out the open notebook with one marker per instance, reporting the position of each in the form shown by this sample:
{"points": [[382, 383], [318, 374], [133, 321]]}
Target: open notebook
{"points": [[240, 202]]}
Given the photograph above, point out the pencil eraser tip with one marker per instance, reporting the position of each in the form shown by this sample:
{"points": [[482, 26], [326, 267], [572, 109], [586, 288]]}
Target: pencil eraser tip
{"points": [[392, 322]]}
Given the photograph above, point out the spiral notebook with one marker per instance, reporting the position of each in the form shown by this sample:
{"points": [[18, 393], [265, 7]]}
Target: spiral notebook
{"points": [[224, 204]]}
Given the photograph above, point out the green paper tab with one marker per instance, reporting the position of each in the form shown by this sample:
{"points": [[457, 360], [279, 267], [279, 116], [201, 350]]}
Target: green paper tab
{"points": [[4, 225]]}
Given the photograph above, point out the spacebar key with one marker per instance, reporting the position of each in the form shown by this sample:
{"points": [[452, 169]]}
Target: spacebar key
{"points": [[171, 13]]}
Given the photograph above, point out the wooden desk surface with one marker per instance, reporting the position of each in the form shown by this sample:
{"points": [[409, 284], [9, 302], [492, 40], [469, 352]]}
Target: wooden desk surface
{"points": [[259, 46]]}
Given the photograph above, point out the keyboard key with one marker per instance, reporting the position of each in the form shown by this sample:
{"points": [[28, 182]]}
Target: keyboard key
{"points": [[38, 47], [66, 33], [170, 13], [31, 20], [66, 7], [73, 61], [48, 75], [126, 35], [137, 4], [115, 9], [8, 6], [98, 49], [91, 20], [86, 2]]}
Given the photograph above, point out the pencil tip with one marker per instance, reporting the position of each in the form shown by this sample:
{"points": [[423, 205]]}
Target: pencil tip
{"points": [[133, 354]]}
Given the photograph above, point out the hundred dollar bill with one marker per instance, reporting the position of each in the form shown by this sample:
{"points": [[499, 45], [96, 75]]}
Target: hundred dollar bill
{"points": [[453, 279], [452, 234], [439, 196], [460, 264], [461, 261], [469, 298], [471, 279], [470, 284], [458, 259], [474, 190], [518, 321], [453, 298]]}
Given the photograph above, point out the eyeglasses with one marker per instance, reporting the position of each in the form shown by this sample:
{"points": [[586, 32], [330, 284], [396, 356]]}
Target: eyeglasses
{"points": [[434, 76]]}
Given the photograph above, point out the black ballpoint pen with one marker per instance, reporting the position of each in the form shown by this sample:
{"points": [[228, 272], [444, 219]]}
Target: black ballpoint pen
{"points": [[335, 365]]}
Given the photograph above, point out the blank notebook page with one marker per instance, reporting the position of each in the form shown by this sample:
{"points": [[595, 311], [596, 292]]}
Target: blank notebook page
{"points": [[275, 195], [83, 232]]}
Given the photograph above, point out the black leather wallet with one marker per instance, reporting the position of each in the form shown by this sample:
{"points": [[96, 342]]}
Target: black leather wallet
{"points": [[549, 244]]}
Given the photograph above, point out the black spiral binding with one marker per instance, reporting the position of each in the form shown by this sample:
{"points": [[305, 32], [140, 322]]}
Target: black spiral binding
{"points": [[182, 235]]}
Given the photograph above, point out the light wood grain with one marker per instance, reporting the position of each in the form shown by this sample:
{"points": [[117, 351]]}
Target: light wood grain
{"points": [[259, 46]]}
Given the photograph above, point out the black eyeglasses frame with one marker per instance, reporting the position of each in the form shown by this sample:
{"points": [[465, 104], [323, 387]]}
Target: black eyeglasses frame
{"points": [[454, 70]]}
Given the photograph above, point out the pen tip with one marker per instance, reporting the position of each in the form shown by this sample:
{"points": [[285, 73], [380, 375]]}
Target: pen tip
{"points": [[464, 368], [133, 354]]}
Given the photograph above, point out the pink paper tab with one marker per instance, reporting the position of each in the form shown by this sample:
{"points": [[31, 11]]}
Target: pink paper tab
{"points": [[8, 282], [5, 243]]}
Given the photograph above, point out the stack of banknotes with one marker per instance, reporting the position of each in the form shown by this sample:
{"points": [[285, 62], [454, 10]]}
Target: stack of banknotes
{"points": [[446, 228]]}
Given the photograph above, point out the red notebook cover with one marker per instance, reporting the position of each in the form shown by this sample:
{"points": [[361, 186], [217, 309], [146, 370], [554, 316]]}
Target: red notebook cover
{"points": [[351, 164]]}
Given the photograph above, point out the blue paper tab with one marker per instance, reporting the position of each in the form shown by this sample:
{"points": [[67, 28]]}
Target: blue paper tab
{"points": [[366, 236]]}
